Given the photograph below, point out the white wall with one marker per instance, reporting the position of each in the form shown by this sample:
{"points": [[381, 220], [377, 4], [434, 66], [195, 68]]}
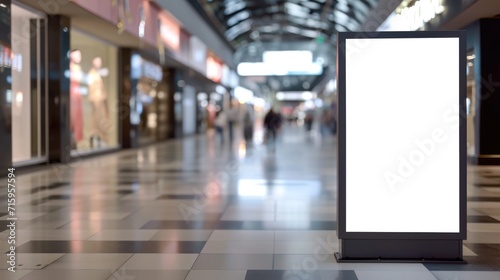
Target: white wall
{"points": [[21, 87]]}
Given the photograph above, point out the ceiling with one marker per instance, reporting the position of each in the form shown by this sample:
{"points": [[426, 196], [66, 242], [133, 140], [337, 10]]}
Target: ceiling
{"points": [[479, 9], [255, 26], [246, 21]]}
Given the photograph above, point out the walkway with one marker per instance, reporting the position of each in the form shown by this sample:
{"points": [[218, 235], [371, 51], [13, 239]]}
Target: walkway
{"points": [[194, 209]]}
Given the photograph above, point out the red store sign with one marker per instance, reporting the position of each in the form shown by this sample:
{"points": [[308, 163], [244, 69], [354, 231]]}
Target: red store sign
{"points": [[214, 69], [169, 31]]}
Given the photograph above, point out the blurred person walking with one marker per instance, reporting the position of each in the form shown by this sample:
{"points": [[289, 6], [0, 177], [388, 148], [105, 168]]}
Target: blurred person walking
{"points": [[326, 123], [220, 123], [232, 117], [308, 120], [248, 127], [272, 124]]}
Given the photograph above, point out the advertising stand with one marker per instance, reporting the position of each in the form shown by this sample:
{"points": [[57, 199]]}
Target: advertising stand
{"points": [[401, 146]]}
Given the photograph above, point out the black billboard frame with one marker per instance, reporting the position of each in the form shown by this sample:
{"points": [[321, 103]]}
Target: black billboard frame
{"points": [[399, 246]]}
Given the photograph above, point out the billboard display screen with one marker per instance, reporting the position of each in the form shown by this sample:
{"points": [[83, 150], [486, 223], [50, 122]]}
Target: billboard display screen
{"points": [[402, 135]]}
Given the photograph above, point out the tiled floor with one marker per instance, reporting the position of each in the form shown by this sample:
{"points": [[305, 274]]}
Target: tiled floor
{"points": [[194, 209]]}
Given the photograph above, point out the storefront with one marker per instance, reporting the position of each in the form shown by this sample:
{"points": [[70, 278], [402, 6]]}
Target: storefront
{"points": [[483, 74], [28, 93], [93, 94], [201, 112], [480, 21], [471, 101], [192, 102], [149, 102]]}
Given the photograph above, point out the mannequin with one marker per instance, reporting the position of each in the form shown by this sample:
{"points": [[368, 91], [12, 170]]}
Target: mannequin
{"points": [[99, 100], [76, 109]]}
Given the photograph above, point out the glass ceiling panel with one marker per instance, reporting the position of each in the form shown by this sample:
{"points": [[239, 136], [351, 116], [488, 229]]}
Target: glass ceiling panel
{"points": [[306, 18]]}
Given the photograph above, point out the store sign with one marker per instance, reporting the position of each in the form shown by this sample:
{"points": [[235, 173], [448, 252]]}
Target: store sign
{"points": [[143, 68], [214, 69], [170, 32], [423, 11], [5, 57], [198, 53]]}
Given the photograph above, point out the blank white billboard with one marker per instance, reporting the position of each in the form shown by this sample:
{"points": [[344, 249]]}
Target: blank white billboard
{"points": [[402, 135]]}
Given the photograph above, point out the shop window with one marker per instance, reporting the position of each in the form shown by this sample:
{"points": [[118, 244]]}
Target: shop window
{"points": [[93, 94], [148, 102]]}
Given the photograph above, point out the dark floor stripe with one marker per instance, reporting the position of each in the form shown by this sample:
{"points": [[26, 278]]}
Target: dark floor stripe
{"points": [[241, 225], [483, 199], [181, 196], [150, 170], [52, 186], [118, 247], [301, 273], [481, 219], [487, 185], [473, 264]]}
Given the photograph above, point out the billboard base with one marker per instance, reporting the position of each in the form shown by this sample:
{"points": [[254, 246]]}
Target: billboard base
{"points": [[421, 251], [361, 260]]}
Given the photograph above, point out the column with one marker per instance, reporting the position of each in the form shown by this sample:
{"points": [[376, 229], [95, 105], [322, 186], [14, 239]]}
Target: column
{"points": [[5, 89], [59, 86]]}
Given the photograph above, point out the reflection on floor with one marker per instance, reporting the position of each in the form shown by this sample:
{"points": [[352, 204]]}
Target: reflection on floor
{"points": [[196, 209]]}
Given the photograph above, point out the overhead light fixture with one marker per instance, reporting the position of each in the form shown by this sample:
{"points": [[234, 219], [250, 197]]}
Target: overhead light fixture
{"points": [[266, 69], [287, 57], [471, 57], [220, 89], [259, 102], [295, 95], [243, 95]]}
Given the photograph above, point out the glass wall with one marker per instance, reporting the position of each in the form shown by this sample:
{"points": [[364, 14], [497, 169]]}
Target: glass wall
{"points": [[93, 94], [28, 86]]}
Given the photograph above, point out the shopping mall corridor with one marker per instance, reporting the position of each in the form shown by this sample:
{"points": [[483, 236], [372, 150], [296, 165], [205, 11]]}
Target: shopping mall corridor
{"points": [[196, 209]]}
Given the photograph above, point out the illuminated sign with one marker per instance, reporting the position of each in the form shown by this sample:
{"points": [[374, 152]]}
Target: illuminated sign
{"points": [[421, 12], [6, 57], [214, 69], [411, 171], [170, 31], [198, 54]]}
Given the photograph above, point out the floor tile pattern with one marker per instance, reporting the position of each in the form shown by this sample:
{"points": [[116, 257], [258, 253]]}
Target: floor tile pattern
{"points": [[194, 209]]}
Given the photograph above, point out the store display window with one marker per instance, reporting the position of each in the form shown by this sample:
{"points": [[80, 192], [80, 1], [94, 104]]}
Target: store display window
{"points": [[93, 94]]}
